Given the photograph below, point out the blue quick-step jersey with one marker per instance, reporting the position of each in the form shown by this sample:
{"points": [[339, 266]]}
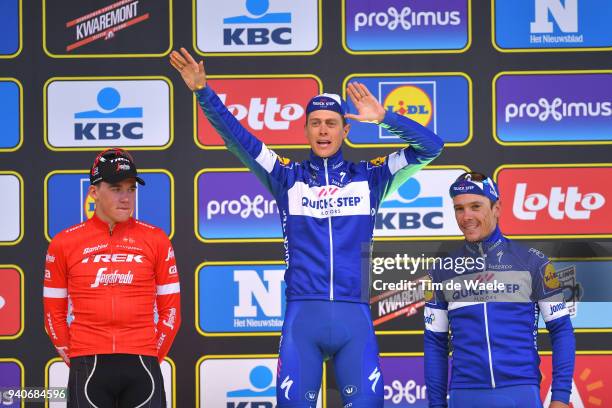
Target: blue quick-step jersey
{"points": [[494, 331], [327, 206]]}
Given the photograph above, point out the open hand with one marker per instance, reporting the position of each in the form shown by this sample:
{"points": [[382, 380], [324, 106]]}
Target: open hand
{"points": [[192, 72], [368, 107]]}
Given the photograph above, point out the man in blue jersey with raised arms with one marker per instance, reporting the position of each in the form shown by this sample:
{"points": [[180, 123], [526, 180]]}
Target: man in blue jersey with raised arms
{"points": [[493, 314], [327, 207]]}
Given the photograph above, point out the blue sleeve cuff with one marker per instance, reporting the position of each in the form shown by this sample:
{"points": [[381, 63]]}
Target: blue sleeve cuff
{"points": [[561, 396]]}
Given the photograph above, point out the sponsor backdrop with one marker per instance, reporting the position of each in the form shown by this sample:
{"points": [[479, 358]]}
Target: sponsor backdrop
{"points": [[519, 90]]}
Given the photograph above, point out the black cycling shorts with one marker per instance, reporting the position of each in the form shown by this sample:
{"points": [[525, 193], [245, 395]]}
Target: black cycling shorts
{"points": [[115, 381]]}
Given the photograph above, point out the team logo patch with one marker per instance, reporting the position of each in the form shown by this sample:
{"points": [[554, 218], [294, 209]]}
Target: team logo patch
{"points": [[378, 161], [550, 277], [283, 161]]}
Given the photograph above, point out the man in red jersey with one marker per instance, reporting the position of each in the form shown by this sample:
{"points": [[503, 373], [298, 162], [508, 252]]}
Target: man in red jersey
{"points": [[116, 272]]}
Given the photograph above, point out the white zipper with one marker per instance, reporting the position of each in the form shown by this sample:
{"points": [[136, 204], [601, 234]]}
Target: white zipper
{"points": [[331, 243], [487, 325]]}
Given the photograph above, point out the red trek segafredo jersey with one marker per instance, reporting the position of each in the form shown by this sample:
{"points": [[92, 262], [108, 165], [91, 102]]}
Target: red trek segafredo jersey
{"points": [[114, 283]]}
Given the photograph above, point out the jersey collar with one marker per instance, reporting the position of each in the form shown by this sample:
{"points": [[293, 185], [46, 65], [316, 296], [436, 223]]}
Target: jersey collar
{"points": [[333, 161], [99, 224], [490, 243]]}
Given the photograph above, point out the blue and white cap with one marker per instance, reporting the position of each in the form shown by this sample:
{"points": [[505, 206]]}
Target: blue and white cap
{"points": [[475, 183], [327, 101]]}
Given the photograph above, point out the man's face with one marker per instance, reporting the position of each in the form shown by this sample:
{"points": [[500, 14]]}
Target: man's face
{"points": [[475, 216], [114, 201], [325, 132]]}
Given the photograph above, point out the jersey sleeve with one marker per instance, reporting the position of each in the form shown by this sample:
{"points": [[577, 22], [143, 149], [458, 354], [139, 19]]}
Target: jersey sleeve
{"points": [[273, 171], [549, 295], [168, 299], [436, 346], [55, 299], [388, 173]]}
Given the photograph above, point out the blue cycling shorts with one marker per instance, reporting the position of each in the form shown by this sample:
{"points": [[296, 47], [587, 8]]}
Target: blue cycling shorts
{"points": [[518, 396], [315, 330]]}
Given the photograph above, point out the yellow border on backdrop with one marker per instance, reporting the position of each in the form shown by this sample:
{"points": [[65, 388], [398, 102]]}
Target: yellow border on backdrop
{"points": [[250, 356], [21, 208], [195, 208], [22, 369], [541, 143], [167, 359], [109, 78], [511, 50], [21, 299], [283, 76], [20, 33], [85, 172], [552, 166], [50, 54], [259, 53], [390, 52], [415, 74], [20, 86], [237, 240], [197, 299]]}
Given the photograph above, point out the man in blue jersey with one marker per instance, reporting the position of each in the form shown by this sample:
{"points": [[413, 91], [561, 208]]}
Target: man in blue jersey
{"points": [[494, 327], [327, 207]]}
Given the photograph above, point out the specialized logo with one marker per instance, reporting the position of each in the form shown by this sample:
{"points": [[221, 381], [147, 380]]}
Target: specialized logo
{"points": [[68, 201], [374, 377], [420, 207], [552, 24], [10, 302], [238, 382], [257, 26], [286, 387], [248, 212], [92, 113], [10, 114], [562, 107], [236, 298], [441, 103], [116, 27], [58, 372], [270, 108], [9, 27], [404, 381], [556, 200], [11, 208], [591, 374], [399, 26]]}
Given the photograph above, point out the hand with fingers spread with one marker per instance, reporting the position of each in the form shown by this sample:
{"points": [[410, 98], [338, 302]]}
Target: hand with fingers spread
{"points": [[368, 107], [192, 72]]}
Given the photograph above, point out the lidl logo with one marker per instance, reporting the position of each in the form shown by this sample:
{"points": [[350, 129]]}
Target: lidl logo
{"points": [[260, 26], [240, 297], [441, 103], [552, 24], [68, 201]]}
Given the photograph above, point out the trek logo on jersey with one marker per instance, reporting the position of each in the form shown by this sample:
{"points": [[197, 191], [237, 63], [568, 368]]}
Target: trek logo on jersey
{"points": [[10, 43], [11, 303], [57, 376], [69, 203], [560, 107], [10, 112], [591, 374], [11, 377], [270, 108], [552, 24], [404, 381], [241, 382], [555, 200], [245, 26], [240, 298], [114, 258], [106, 27], [92, 113], [441, 103], [224, 212], [415, 25], [11, 208], [420, 207]]}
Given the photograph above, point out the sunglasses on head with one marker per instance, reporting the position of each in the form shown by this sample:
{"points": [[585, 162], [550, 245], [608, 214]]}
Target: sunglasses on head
{"points": [[472, 176]]}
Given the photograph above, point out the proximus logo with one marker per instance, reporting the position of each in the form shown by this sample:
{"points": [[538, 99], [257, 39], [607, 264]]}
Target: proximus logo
{"points": [[245, 206], [557, 109], [406, 18]]}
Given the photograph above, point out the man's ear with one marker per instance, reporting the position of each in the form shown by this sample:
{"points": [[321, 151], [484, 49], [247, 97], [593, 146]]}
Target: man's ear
{"points": [[346, 129], [93, 192], [497, 207]]}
